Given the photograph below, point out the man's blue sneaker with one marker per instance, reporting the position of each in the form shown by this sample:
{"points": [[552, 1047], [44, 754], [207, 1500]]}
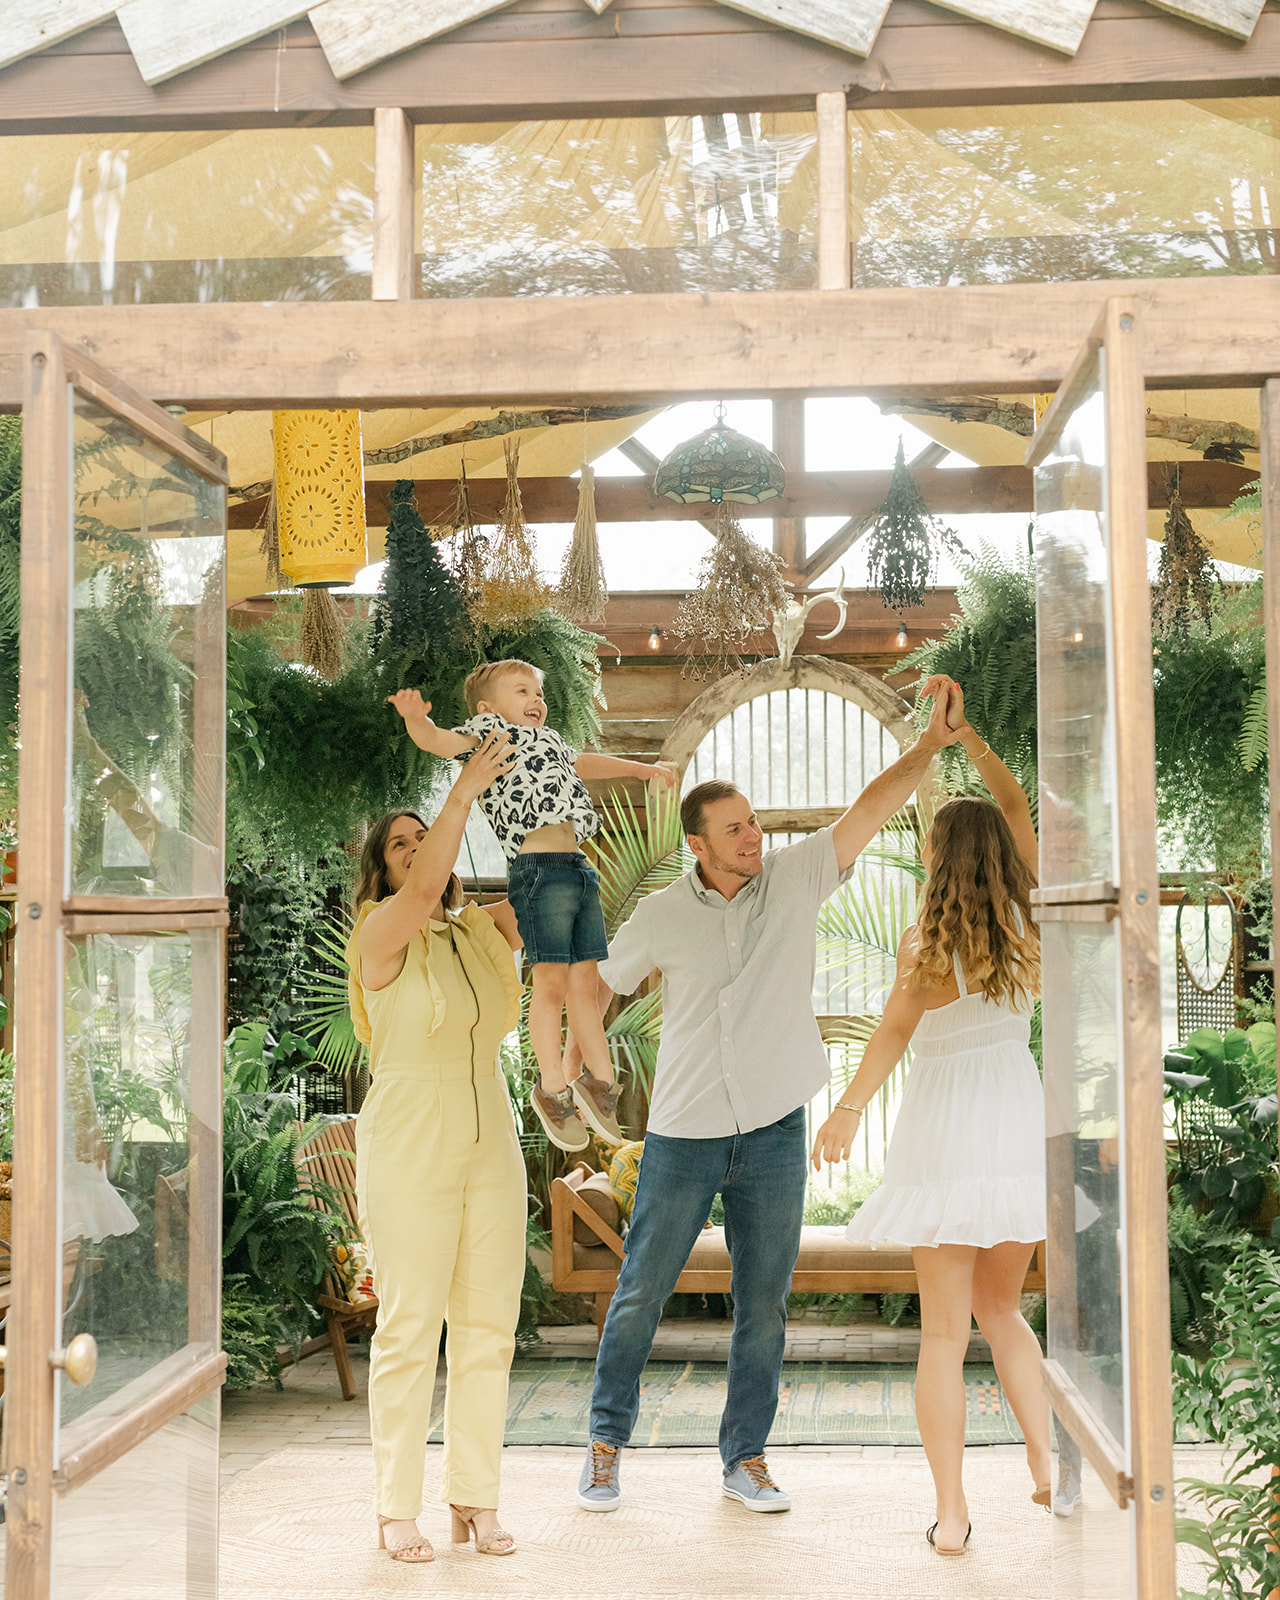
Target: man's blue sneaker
{"points": [[750, 1482], [598, 1487]]}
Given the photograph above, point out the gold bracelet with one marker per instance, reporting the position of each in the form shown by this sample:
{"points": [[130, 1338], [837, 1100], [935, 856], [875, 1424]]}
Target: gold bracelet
{"points": [[841, 1106], [984, 752]]}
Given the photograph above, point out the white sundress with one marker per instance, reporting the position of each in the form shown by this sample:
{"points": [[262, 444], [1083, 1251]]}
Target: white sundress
{"points": [[965, 1164]]}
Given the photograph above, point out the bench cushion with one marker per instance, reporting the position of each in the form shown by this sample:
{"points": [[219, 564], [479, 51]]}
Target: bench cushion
{"points": [[822, 1249]]}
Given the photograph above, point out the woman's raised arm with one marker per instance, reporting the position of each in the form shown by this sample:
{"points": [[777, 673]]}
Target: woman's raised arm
{"points": [[392, 924], [1003, 787]]}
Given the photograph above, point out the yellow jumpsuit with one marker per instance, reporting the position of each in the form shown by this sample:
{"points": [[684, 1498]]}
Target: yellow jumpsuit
{"points": [[442, 1197]]}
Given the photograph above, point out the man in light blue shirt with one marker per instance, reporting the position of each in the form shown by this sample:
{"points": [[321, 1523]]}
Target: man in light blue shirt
{"points": [[740, 1058]]}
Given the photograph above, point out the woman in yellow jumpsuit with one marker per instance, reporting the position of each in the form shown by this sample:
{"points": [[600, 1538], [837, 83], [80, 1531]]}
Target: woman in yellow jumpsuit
{"points": [[439, 1175]]}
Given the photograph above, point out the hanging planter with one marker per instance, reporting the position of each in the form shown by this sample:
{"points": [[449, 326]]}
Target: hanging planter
{"points": [[510, 589], [720, 464], [319, 494], [740, 586], [421, 611], [583, 595], [902, 542], [1183, 590]]}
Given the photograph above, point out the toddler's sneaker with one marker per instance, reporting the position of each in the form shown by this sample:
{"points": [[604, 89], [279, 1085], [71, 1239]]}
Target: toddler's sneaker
{"points": [[598, 1103], [559, 1116]]}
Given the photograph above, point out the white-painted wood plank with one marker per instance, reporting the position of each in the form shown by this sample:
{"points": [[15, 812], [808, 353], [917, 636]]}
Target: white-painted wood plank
{"points": [[357, 34], [849, 24], [25, 30], [167, 39], [1060, 24], [1238, 18]]}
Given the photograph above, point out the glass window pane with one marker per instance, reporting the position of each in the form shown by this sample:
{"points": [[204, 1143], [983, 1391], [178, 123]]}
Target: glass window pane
{"points": [[142, 218], [146, 804], [618, 206], [141, 1092], [1043, 193], [1077, 768], [1083, 1099]]}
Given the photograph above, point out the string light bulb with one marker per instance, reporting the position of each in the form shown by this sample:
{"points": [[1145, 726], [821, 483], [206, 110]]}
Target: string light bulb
{"points": [[902, 640], [655, 638]]}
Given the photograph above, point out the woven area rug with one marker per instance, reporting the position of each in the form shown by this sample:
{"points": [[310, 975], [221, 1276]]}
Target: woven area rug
{"points": [[820, 1402]]}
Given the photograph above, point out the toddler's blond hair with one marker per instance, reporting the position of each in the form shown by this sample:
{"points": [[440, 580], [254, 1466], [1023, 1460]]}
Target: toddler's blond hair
{"points": [[482, 679]]}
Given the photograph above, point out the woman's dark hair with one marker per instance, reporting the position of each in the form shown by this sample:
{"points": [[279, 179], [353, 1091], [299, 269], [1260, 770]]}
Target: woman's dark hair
{"points": [[373, 883]]}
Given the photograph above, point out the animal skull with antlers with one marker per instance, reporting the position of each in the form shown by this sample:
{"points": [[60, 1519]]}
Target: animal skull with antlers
{"points": [[788, 624]]}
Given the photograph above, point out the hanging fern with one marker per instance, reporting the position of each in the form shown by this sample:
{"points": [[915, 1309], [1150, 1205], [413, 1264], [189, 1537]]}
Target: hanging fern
{"points": [[1253, 731]]}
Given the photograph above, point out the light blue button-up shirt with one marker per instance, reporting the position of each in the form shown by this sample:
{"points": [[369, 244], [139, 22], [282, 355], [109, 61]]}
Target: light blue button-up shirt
{"points": [[740, 1044]]}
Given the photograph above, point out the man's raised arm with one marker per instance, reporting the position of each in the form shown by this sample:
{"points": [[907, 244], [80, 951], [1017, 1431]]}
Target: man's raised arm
{"points": [[896, 784]]}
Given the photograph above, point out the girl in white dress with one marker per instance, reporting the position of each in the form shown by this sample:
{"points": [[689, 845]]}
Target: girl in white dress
{"points": [[964, 1178]]}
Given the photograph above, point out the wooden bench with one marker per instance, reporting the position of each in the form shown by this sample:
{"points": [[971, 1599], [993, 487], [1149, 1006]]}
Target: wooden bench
{"points": [[828, 1262], [330, 1156]]}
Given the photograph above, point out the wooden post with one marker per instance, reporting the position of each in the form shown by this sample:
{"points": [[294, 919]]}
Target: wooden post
{"points": [[1146, 1199], [833, 191], [393, 194], [35, 1322], [788, 446], [1270, 442]]}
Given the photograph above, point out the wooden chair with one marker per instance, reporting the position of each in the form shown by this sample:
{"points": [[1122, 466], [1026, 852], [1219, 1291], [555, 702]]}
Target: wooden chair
{"points": [[330, 1157]]}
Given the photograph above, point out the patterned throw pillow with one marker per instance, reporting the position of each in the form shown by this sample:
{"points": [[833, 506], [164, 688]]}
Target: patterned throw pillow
{"points": [[624, 1170], [353, 1270]]}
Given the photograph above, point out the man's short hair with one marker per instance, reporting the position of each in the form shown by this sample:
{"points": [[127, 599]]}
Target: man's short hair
{"points": [[694, 805], [480, 681]]}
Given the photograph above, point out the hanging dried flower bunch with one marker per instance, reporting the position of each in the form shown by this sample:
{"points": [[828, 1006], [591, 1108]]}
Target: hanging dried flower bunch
{"points": [[902, 543], [322, 634], [1183, 590], [582, 594], [739, 586], [269, 546], [510, 589], [466, 544]]}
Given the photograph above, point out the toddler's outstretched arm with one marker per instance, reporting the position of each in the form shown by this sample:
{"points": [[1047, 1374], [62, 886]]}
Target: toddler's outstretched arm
{"points": [[425, 734], [591, 764]]}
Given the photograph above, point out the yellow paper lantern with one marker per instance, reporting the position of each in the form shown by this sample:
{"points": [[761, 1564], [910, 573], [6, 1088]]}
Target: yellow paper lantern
{"points": [[320, 497], [1042, 404]]}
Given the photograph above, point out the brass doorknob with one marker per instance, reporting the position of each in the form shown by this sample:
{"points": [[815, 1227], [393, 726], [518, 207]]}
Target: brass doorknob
{"points": [[79, 1360]]}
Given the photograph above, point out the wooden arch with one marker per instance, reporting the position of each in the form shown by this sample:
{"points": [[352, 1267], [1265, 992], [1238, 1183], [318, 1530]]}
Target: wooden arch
{"points": [[802, 672]]}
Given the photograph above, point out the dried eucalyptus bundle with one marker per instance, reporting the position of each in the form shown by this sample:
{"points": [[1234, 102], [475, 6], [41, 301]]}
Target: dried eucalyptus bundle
{"points": [[269, 548], [902, 543], [510, 589], [322, 634], [582, 594], [466, 544], [740, 585], [1183, 590]]}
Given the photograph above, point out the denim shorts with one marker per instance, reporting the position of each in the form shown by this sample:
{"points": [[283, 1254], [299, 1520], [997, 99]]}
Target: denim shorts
{"points": [[556, 898]]}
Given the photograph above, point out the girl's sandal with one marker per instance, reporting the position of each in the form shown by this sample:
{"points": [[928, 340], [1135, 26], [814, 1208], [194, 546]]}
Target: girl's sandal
{"points": [[497, 1543], [417, 1549]]}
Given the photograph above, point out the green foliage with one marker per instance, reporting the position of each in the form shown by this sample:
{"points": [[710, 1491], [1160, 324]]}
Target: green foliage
{"points": [[991, 653], [1200, 1252], [633, 860], [1234, 1400], [250, 1332], [1223, 1089], [271, 914], [6, 1105], [320, 992], [1212, 808], [421, 615], [1253, 731], [901, 553]]}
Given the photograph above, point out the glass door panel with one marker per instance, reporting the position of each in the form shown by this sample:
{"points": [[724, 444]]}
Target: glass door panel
{"points": [[149, 639], [113, 1362]]}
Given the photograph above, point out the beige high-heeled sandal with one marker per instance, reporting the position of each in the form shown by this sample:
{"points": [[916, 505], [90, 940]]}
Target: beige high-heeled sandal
{"points": [[464, 1525], [401, 1551]]}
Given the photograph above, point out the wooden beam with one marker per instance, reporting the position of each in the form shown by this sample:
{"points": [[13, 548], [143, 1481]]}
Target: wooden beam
{"points": [[393, 190], [638, 59], [1020, 337], [834, 260], [948, 491], [788, 446]]}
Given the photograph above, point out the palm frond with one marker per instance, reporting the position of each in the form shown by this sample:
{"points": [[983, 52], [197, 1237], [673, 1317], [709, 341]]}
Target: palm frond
{"points": [[321, 992], [633, 1038], [633, 860]]}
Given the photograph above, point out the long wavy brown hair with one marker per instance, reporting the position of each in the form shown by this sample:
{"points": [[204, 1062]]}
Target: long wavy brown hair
{"points": [[977, 905], [373, 883]]}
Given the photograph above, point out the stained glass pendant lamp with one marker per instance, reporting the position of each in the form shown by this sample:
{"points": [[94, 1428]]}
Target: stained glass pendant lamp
{"points": [[720, 464]]}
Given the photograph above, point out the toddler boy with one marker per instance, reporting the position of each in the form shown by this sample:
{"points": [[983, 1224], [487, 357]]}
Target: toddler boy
{"points": [[540, 811]]}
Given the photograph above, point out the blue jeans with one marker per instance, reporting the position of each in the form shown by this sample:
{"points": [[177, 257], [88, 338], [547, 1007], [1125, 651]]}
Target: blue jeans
{"points": [[761, 1177]]}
